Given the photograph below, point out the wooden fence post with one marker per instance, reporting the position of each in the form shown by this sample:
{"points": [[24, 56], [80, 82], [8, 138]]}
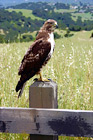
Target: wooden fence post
{"points": [[43, 95]]}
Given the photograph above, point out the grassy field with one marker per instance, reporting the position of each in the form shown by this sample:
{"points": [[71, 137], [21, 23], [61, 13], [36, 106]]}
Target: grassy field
{"points": [[84, 16], [71, 67], [26, 13], [65, 10]]}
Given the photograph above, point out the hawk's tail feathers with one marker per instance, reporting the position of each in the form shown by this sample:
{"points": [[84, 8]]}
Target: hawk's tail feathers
{"points": [[20, 85], [21, 90]]}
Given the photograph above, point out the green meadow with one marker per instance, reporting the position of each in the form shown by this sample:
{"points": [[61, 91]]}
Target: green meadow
{"points": [[75, 14], [65, 10], [26, 13], [71, 67], [84, 16]]}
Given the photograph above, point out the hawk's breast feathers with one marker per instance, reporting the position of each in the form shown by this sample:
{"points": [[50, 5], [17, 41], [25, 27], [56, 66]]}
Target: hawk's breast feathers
{"points": [[51, 40], [36, 56]]}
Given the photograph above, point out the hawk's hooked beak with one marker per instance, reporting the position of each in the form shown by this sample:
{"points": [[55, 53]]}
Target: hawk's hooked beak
{"points": [[56, 25]]}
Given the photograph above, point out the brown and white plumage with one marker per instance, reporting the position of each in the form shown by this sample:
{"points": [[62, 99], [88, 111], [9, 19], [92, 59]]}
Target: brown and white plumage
{"points": [[37, 55]]}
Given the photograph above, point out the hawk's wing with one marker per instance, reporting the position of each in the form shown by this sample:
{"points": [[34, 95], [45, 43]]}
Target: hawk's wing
{"points": [[35, 57]]}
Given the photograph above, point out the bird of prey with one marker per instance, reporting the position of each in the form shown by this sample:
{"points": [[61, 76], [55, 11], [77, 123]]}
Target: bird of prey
{"points": [[37, 55]]}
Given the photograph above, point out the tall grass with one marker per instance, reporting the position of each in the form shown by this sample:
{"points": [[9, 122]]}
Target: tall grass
{"points": [[71, 67]]}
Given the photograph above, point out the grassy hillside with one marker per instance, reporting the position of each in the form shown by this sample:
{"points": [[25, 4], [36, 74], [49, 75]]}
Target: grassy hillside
{"points": [[84, 16], [65, 10], [15, 22], [26, 13], [70, 67]]}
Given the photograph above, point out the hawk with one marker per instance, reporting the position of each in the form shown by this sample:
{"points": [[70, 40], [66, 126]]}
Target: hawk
{"points": [[37, 55]]}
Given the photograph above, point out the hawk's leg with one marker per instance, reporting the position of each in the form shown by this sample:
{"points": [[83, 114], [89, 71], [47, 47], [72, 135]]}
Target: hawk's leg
{"points": [[41, 78]]}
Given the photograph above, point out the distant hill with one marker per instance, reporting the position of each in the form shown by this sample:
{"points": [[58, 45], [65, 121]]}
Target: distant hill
{"points": [[40, 5], [14, 24], [14, 2]]}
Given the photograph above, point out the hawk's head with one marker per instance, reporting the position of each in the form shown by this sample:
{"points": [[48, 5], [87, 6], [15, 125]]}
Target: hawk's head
{"points": [[50, 25]]}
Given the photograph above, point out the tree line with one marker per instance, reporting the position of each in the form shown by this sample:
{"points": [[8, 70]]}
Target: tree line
{"points": [[40, 5], [14, 24]]}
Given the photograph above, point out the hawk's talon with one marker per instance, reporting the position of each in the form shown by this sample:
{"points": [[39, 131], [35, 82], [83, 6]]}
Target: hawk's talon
{"points": [[36, 79], [42, 80]]}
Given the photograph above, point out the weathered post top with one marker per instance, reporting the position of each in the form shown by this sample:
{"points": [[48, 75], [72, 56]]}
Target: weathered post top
{"points": [[43, 95]]}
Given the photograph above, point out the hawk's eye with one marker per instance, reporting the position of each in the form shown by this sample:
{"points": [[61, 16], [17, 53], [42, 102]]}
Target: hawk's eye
{"points": [[50, 23]]}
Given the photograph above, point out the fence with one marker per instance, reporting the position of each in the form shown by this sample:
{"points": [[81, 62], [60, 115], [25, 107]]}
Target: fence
{"points": [[42, 121]]}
